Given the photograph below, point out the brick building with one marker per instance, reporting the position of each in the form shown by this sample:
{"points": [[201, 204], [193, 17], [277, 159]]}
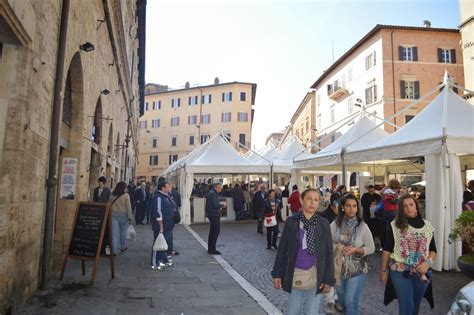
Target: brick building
{"points": [[72, 76]]}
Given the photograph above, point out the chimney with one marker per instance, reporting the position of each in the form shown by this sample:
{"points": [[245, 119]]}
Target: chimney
{"points": [[186, 85], [426, 24], [216, 81]]}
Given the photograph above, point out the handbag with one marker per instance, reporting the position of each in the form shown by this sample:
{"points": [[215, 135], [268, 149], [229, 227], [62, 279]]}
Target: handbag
{"points": [[270, 221], [354, 265], [304, 279], [160, 243], [176, 217]]}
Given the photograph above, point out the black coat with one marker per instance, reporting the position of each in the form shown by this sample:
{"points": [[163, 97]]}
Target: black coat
{"points": [[213, 205], [288, 249], [258, 203], [140, 201], [104, 196]]}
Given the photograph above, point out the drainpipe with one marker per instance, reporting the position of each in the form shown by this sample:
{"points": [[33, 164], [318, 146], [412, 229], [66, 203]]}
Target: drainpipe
{"points": [[52, 181], [393, 82]]}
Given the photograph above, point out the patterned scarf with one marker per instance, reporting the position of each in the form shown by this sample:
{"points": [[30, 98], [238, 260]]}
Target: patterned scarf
{"points": [[346, 234], [309, 227]]}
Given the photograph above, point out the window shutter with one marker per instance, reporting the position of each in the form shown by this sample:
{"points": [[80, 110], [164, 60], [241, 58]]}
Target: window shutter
{"points": [[151, 159], [177, 121], [230, 116], [172, 102], [367, 101], [375, 59], [400, 52], [189, 100], [440, 55], [375, 93], [417, 89], [230, 96], [402, 89], [222, 117], [453, 55], [179, 102], [415, 53], [209, 119], [210, 98], [202, 99], [223, 97]]}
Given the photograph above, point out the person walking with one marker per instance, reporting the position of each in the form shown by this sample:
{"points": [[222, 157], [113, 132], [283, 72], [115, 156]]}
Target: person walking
{"points": [[366, 201], [294, 200], [258, 205], [408, 254], [272, 208], [353, 243], [140, 197], [213, 214], [101, 192], [304, 265], [248, 201], [162, 221], [176, 198], [239, 201], [121, 216]]}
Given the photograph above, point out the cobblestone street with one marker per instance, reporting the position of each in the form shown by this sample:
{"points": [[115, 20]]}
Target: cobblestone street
{"points": [[246, 251]]}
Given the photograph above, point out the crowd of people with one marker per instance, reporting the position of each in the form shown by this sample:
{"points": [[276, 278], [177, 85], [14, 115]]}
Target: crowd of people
{"points": [[319, 252]]}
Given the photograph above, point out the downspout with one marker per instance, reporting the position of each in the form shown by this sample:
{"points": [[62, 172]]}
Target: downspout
{"points": [[393, 82], [52, 181]]}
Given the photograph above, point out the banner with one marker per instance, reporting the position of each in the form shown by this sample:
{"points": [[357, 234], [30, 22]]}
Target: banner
{"points": [[68, 178]]}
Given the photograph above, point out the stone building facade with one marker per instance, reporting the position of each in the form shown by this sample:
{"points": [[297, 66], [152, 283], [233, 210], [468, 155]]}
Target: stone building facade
{"points": [[71, 90]]}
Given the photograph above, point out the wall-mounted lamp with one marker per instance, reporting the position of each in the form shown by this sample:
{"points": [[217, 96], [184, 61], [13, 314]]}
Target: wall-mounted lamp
{"points": [[105, 92], [87, 47]]}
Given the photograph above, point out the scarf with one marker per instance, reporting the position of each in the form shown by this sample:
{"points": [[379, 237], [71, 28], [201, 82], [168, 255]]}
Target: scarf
{"points": [[346, 233], [309, 227]]}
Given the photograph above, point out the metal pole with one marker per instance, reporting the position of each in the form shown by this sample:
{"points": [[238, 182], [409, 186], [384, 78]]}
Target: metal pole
{"points": [[52, 181]]}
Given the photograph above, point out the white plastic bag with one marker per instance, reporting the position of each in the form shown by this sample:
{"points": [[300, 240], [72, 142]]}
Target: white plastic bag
{"points": [[160, 243], [131, 234]]}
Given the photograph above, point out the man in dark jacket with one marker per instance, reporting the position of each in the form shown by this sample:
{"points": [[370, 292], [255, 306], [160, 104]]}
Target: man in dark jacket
{"points": [[101, 192], [140, 203], [367, 199], [213, 213], [258, 205]]}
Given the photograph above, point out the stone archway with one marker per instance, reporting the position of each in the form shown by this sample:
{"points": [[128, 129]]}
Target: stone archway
{"points": [[70, 142]]}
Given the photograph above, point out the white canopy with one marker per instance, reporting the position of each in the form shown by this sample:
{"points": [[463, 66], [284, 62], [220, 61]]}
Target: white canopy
{"points": [[447, 118], [363, 133], [284, 159]]}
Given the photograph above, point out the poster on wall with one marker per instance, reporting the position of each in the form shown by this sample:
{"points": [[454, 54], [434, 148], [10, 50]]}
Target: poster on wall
{"points": [[68, 178]]}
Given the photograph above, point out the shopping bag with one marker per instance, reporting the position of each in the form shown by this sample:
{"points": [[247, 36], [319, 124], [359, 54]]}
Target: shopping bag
{"points": [[270, 221], [160, 243], [131, 234]]}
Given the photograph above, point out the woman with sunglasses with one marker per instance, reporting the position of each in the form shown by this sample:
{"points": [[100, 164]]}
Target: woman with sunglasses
{"points": [[409, 252]]}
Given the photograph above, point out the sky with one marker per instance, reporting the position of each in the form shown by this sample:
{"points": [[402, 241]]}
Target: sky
{"points": [[282, 46]]}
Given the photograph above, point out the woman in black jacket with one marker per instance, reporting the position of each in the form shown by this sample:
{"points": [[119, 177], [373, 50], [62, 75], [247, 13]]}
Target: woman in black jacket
{"points": [[272, 208], [304, 254]]}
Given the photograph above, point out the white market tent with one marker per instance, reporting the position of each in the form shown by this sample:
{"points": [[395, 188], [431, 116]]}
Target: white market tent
{"points": [[216, 156], [442, 133]]}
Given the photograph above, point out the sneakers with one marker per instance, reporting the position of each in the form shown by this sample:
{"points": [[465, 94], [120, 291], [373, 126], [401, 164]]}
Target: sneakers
{"points": [[214, 252], [169, 264], [157, 268]]}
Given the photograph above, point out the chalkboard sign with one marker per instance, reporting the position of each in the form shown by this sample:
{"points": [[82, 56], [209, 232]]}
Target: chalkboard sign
{"points": [[91, 233], [87, 230]]}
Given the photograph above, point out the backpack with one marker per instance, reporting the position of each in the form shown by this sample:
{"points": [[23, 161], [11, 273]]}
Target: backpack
{"points": [[389, 203]]}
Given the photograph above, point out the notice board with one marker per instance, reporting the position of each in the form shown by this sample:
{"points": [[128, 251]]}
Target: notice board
{"points": [[91, 226]]}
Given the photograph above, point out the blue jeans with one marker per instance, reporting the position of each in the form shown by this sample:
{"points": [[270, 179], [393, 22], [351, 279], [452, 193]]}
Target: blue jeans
{"points": [[160, 256], [311, 302], [119, 231], [409, 291], [348, 293]]}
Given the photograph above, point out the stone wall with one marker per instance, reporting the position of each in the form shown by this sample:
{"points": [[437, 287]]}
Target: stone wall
{"points": [[28, 68]]}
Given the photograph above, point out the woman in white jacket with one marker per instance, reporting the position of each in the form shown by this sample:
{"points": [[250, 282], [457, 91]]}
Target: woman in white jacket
{"points": [[353, 242]]}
